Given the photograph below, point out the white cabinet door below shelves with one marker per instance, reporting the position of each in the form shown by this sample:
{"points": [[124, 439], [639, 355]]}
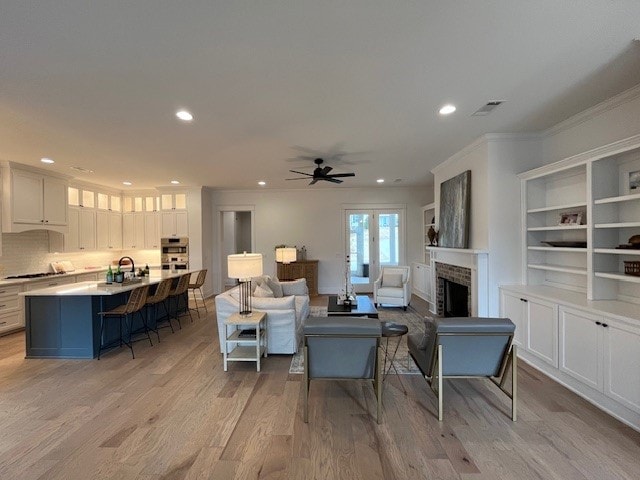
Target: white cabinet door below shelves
{"points": [[622, 363], [72, 239], [581, 346], [542, 331], [102, 230], [151, 231], [513, 307]]}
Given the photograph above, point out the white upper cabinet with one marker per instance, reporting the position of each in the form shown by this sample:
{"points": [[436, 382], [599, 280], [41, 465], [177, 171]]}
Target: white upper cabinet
{"points": [[173, 201], [109, 230], [33, 200], [174, 224]]}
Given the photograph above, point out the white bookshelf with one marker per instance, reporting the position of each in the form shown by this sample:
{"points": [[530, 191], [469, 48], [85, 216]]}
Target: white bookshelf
{"points": [[428, 221], [596, 187]]}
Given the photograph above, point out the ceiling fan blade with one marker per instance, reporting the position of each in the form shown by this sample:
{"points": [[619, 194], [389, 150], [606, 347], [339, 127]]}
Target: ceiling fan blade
{"points": [[326, 170], [331, 179], [301, 173], [338, 175], [313, 182], [299, 178]]}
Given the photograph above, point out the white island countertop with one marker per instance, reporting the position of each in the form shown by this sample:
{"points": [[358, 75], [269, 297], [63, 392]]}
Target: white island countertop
{"points": [[92, 288]]}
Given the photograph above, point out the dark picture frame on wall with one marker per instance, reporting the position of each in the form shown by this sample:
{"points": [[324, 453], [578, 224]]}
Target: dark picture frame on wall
{"points": [[455, 211]]}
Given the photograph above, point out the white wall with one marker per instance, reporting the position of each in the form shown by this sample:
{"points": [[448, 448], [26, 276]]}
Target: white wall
{"points": [[313, 217]]}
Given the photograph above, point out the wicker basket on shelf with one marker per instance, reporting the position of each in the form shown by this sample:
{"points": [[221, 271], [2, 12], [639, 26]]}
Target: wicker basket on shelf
{"points": [[632, 268]]}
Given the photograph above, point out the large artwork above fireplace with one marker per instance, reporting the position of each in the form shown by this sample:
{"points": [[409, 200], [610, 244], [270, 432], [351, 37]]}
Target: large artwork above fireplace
{"points": [[455, 203]]}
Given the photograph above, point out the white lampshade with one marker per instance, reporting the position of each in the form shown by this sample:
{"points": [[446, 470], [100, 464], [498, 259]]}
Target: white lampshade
{"points": [[244, 265], [286, 255]]}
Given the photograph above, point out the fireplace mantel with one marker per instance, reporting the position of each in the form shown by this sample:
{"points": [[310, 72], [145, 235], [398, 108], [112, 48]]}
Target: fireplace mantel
{"points": [[478, 262]]}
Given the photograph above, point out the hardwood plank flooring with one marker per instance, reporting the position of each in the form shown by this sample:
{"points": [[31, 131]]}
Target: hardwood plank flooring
{"points": [[173, 413]]}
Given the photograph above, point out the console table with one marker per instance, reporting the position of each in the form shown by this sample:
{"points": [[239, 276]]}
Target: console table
{"points": [[307, 269]]}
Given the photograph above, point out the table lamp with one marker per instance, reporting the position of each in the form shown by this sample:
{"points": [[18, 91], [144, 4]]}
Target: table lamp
{"points": [[244, 266], [286, 255]]}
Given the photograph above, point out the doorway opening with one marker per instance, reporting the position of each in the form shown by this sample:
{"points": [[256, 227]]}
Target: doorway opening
{"points": [[236, 236]]}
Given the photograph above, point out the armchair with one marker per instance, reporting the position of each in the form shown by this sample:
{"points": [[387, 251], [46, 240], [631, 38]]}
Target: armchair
{"points": [[466, 347], [393, 287], [340, 348]]}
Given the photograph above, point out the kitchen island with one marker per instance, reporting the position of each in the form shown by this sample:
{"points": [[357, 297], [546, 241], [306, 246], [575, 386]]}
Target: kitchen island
{"points": [[64, 321]]}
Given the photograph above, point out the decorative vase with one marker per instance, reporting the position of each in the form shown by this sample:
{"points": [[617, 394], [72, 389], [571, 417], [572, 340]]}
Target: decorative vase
{"points": [[432, 235]]}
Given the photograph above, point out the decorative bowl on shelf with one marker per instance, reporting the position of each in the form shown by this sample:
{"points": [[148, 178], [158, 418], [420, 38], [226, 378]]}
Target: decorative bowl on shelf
{"points": [[635, 240], [566, 244]]}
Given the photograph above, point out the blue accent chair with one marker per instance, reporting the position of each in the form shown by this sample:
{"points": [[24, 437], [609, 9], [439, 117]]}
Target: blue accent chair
{"points": [[342, 348], [464, 347]]}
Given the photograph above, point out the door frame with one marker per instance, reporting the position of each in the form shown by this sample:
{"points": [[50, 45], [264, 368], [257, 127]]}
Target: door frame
{"points": [[220, 254], [375, 208]]}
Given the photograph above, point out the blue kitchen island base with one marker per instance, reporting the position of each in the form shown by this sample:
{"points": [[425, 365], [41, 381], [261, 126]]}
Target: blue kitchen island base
{"points": [[64, 325]]}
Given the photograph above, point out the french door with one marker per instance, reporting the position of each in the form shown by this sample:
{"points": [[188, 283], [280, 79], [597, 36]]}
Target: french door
{"points": [[374, 239]]}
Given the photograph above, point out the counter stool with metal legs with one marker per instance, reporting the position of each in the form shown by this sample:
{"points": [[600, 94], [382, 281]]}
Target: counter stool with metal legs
{"points": [[202, 275], [178, 294], [160, 298], [135, 303]]}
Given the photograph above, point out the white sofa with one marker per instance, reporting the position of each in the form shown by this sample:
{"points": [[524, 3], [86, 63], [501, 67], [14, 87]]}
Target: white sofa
{"points": [[285, 315]]}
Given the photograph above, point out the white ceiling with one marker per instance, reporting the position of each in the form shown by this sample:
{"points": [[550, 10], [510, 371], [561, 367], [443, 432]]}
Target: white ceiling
{"points": [[96, 84]]}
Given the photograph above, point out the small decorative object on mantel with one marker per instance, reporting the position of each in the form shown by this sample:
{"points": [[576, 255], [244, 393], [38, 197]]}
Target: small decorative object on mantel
{"points": [[432, 234], [634, 243]]}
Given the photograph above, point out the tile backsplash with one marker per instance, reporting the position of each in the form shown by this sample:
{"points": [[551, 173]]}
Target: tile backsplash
{"points": [[28, 252]]}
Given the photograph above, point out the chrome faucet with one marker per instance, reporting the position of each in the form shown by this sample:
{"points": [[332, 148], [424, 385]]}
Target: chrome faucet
{"points": [[133, 265]]}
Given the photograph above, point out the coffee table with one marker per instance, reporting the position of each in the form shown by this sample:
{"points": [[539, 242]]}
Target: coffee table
{"points": [[364, 308]]}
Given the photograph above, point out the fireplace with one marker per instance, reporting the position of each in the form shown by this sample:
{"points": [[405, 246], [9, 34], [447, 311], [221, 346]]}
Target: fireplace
{"points": [[453, 290], [455, 302]]}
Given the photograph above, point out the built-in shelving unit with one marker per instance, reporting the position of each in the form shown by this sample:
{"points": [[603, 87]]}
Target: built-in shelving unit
{"points": [[604, 211], [428, 221]]}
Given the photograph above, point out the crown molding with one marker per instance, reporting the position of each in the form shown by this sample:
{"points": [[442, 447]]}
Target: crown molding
{"points": [[596, 110], [485, 140]]}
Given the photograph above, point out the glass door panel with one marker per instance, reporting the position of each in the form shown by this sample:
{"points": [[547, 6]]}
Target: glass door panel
{"points": [[374, 239], [359, 247]]}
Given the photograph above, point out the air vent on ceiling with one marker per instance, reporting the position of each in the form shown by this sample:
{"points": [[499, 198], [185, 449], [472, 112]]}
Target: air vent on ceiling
{"points": [[487, 109], [81, 169]]}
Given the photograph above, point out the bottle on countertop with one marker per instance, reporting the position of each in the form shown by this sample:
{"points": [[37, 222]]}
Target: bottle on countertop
{"points": [[110, 275], [146, 270]]}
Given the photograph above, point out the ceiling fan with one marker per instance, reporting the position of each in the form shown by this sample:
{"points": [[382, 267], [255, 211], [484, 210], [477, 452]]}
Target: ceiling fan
{"points": [[321, 173]]}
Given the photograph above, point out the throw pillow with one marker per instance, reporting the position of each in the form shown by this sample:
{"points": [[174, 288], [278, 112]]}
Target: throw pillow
{"points": [[392, 280], [263, 291], [275, 287]]}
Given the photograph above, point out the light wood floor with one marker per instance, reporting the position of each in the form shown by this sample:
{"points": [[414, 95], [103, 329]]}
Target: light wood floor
{"points": [[172, 413]]}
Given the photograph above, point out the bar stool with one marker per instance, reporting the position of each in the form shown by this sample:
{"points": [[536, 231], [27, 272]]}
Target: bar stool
{"points": [[202, 274], [178, 294], [160, 298], [135, 303]]}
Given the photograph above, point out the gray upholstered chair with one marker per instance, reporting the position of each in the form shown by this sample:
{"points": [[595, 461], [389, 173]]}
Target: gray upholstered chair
{"points": [[342, 348], [466, 347], [393, 287]]}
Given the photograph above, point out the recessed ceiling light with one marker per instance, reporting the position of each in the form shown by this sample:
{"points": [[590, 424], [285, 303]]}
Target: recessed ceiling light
{"points": [[447, 109], [46, 160], [128, 184], [184, 115], [175, 182], [262, 183], [380, 180]]}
